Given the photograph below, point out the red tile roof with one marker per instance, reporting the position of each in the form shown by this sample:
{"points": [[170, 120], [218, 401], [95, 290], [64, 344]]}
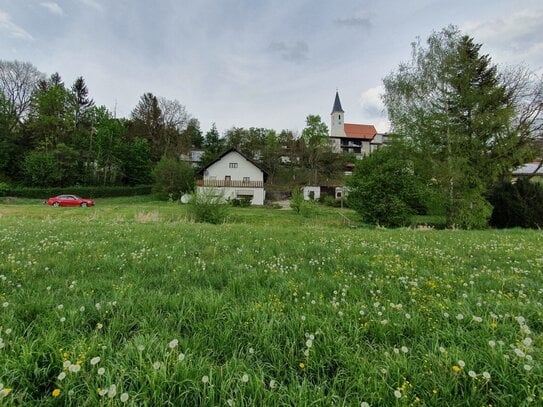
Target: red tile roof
{"points": [[361, 131]]}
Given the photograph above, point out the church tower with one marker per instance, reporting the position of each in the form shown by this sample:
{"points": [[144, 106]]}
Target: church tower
{"points": [[337, 119]]}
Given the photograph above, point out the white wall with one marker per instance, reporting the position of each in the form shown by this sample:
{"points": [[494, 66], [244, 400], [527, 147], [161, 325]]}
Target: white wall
{"points": [[259, 194], [245, 168], [316, 192], [336, 125]]}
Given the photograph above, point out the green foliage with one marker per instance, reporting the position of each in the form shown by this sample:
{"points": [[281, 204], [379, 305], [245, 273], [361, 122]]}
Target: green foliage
{"points": [[40, 168], [173, 178], [242, 202], [384, 188], [84, 192], [136, 162], [457, 114], [4, 188], [296, 200], [517, 205], [208, 207], [471, 211]]}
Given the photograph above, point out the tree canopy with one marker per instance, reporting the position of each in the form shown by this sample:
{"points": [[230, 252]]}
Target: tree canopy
{"points": [[457, 116]]}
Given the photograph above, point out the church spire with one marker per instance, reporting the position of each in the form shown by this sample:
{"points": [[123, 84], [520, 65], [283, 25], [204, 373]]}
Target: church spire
{"points": [[337, 104]]}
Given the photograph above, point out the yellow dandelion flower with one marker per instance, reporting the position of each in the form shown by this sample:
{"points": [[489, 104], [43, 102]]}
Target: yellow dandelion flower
{"points": [[493, 325], [56, 392], [302, 365], [456, 369]]}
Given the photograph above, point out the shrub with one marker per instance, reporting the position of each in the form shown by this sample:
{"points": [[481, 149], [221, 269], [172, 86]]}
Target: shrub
{"points": [[517, 205], [208, 207], [296, 200], [384, 188], [172, 178], [86, 192], [4, 189], [243, 202]]}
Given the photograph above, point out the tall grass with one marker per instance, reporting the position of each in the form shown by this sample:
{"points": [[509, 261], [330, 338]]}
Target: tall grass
{"points": [[274, 309]]}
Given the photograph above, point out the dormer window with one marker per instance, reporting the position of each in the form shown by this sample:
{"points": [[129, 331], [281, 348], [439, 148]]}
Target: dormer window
{"points": [[233, 165]]}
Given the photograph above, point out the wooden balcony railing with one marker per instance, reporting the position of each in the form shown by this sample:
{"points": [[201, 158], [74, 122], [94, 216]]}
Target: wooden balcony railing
{"points": [[225, 183]]}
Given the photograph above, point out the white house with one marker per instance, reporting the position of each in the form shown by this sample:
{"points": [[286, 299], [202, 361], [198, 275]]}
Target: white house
{"points": [[234, 176]]}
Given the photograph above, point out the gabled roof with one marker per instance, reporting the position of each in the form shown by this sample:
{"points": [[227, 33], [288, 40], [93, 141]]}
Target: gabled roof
{"points": [[236, 151], [337, 105], [361, 131]]}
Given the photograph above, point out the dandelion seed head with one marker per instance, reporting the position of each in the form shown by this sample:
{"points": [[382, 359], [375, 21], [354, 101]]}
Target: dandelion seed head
{"points": [[245, 378], [124, 397], [173, 343], [101, 371], [527, 341], [205, 379], [156, 365], [397, 394], [95, 360], [74, 368]]}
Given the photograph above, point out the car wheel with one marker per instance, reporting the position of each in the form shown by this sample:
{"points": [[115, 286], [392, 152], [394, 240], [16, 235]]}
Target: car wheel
{"points": [[56, 203], [83, 204]]}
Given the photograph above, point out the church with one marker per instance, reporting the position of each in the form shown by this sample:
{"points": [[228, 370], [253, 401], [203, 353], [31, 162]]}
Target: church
{"points": [[359, 139]]}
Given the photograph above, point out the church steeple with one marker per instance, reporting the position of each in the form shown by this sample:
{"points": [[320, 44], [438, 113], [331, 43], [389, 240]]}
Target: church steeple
{"points": [[337, 119], [337, 105]]}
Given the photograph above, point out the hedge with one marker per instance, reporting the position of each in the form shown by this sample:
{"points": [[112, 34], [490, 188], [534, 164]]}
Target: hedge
{"points": [[85, 192]]}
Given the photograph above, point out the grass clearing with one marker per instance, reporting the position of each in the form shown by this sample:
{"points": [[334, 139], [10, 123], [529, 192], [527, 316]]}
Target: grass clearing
{"points": [[269, 309]]}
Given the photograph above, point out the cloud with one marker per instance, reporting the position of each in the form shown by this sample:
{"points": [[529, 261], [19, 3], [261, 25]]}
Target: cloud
{"points": [[354, 22], [513, 38], [93, 4], [295, 53], [12, 29], [53, 7], [373, 107]]}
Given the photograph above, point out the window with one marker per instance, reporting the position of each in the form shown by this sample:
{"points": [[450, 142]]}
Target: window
{"points": [[233, 165], [246, 180], [227, 179]]}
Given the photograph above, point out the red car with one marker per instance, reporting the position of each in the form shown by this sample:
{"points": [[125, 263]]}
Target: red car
{"points": [[69, 200]]}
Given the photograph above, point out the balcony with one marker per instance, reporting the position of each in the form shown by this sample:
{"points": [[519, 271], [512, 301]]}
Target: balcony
{"points": [[217, 183]]}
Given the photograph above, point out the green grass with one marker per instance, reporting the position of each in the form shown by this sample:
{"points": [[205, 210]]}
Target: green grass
{"points": [[273, 308]]}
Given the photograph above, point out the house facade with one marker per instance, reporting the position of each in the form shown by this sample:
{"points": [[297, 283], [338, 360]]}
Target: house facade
{"points": [[233, 175], [359, 139]]}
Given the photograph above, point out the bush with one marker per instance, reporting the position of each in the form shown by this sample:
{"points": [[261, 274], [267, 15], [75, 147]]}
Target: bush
{"points": [[86, 192], [384, 188], [517, 205], [296, 200], [243, 202], [172, 178], [208, 207], [4, 189]]}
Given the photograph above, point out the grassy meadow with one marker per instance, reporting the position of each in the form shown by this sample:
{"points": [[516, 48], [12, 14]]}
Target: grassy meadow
{"points": [[131, 303]]}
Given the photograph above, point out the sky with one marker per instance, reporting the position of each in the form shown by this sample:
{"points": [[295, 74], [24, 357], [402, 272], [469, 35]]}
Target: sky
{"points": [[253, 63]]}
